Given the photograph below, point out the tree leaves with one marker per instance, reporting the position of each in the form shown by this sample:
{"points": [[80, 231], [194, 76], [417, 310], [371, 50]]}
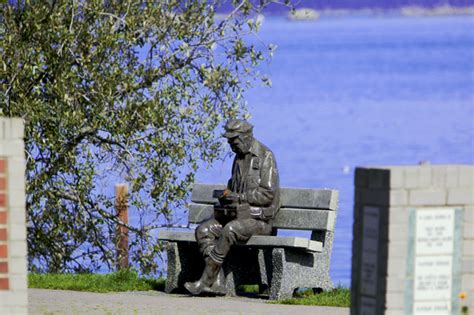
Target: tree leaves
{"points": [[117, 91]]}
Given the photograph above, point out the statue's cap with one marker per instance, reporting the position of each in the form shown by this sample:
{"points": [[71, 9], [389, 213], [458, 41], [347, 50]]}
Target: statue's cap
{"points": [[234, 127]]}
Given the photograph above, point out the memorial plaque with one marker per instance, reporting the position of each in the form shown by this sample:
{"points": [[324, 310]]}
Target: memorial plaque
{"points": [[433, 261], [432, 308], [434, 231], [370, 236], [433, 277]]}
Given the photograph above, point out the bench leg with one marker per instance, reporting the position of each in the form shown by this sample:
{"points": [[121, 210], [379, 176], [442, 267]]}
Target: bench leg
{"points": [[322, 279], [324, 285], [290, 269], [281, 287], [184, 264], [174, 267], [229, 282]]}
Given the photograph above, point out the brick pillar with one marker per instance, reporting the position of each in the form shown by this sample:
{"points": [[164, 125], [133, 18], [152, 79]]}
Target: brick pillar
{"points": [[413, 240], [13, 260], [4, 283]]}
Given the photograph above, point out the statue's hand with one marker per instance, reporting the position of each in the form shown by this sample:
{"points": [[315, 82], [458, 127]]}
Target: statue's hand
{"points": [[256, 213]]}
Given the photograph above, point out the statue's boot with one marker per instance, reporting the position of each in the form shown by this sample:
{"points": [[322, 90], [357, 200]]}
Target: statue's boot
{"points": [[205, 283], [218, 287]]}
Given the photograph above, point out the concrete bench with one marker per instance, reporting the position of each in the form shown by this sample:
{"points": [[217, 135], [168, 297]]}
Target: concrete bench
{"points": [[278, 264]]}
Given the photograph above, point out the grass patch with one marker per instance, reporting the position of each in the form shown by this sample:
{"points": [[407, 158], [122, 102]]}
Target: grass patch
{"points": [[128, 280], [248, 288], [124, 280], [339, 297]]}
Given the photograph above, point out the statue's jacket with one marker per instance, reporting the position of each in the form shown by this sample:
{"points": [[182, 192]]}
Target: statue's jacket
{"points": [[255, 178]]}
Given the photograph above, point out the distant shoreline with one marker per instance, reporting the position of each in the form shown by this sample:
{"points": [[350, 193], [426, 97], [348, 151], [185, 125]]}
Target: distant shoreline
{"points": [[408, 11], [444, 10]]}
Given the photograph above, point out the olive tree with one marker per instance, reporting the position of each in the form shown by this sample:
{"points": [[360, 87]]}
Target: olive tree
{"points": [[118, 90]]}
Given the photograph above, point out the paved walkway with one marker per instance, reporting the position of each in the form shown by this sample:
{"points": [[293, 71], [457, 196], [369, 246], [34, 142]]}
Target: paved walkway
{"points": [[152, 302]]}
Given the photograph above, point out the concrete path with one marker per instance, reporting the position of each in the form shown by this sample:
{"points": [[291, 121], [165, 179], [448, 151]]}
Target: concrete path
{"points": [[153, 302]]}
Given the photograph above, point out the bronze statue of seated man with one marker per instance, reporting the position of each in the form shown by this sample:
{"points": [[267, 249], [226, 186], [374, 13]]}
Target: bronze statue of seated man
{"points": [[246, 207]]}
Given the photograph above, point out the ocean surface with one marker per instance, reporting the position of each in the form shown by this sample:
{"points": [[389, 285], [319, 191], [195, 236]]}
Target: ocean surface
{"points": [[356, 91]]}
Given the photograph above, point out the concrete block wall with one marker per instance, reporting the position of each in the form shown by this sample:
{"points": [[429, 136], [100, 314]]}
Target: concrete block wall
{"points": [[13, 250], [390, 194]]}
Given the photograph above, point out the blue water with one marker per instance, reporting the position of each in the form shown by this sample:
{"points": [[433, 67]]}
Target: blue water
{"points": [[362, 91]]}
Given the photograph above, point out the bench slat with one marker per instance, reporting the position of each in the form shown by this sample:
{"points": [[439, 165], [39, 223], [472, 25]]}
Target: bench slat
{"points": [[309, 198], [297, 219], [290, 197], [284, 241], [199, 212], [256, 240], [287, 218], [177, 236], [202, 193]]}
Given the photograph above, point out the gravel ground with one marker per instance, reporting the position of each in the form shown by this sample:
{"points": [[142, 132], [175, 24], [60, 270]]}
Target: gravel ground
{"points": [[152, 302]]}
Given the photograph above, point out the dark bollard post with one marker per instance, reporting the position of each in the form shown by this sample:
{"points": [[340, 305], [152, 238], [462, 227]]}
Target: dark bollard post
{"points": [[121, 204]]}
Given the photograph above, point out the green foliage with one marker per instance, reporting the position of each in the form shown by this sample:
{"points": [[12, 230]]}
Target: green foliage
{"points": [[128, 280], [248, 288], [115, 91], [124, 280], [339, 297]]}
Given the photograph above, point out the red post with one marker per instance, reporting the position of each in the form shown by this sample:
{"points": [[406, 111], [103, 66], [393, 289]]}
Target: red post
{"points": [[121, 204]]}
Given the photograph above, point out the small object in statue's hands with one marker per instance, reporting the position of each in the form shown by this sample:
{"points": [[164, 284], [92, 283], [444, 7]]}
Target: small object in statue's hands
{"points": [[230, 195], [226, 196], [217, 193], [221, 193]]}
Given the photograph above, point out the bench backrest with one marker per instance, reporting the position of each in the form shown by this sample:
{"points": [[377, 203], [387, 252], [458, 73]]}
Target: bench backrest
{"points": [[301, 208]]}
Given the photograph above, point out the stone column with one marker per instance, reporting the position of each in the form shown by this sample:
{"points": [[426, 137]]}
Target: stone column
{"points": [[413, 239], [13, 263]]}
